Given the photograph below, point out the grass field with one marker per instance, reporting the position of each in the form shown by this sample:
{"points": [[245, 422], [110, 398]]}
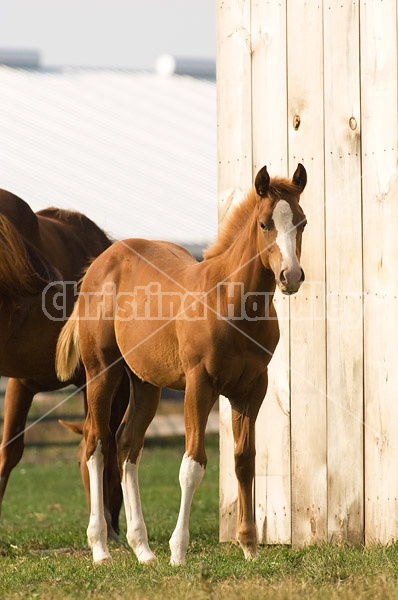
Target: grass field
{"points": [[44, 551]]}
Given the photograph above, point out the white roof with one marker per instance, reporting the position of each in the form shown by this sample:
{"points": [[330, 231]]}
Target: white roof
{"points": [[134, 151]]}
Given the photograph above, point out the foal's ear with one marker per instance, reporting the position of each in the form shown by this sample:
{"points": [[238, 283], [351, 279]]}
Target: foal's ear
{"points": [[75, 426], [261, 183], [300, 177]]}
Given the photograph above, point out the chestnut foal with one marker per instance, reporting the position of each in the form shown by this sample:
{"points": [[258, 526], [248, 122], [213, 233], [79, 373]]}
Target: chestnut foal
{"points": [[209, 328]]}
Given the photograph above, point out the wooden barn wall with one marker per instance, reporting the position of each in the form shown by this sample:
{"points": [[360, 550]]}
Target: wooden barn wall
{"points": [[379, 105], [316, 82]]}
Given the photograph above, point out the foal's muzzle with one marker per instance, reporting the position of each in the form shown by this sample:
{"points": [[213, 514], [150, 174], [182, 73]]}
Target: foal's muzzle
{"points": [[290, 280]]}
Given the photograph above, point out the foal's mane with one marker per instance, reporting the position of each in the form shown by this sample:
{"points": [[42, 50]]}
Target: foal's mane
{"points": [[237, 218]]}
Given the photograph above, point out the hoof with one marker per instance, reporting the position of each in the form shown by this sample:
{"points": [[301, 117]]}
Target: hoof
{"points": [[177, 562], [103, 561], [148, 560], [178, 550], [145, 556], [102, 558], [100, 553], [250, 552]]}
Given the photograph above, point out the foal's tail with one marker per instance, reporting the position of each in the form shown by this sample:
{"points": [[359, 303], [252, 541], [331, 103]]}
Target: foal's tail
{"points": [[67, 356]]}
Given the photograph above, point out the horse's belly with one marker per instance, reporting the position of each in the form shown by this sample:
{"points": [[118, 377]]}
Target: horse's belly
{"points": [[20, 363], [27, 352], [152, 354]]}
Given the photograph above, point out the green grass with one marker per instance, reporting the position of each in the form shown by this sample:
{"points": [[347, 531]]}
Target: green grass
{"points": [[44, 554]]}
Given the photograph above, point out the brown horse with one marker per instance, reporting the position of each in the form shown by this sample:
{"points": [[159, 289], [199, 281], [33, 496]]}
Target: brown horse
{"points": [[42, 256], [209, 328]]}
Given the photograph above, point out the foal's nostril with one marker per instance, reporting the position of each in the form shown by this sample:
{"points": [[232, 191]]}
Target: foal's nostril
{"points": [[283, 276]]}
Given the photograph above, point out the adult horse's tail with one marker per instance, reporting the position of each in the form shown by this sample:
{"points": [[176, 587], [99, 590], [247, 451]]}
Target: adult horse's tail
{"points": [[67, 356], [23, 272]]}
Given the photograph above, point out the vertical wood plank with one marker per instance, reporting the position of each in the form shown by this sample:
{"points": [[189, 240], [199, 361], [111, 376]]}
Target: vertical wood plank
{"points": [[269, 94], [344, 271], [234, 173], [234, 121], [308, 335], [380, 247], [272, 480]]}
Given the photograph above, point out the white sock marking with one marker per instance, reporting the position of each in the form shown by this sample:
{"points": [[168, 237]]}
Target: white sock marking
{"points": [[191, 474], [97, 529], [137, 536]]}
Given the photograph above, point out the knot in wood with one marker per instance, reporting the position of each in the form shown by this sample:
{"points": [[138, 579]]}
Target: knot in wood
{"points": [[296, 122], [353, 123]]}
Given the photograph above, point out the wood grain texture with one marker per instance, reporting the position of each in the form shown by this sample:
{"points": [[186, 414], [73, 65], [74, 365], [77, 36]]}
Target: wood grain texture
{"points": [[269, 106], [344, 272], [234, 140], [307, 328], [380, 248], [317, 83]]}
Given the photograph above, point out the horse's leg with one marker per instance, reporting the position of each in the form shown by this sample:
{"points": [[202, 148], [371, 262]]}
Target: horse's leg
{"points": [[144, 400], [113, 491], [199, 399], [244, 414], [17, 401], [100, 389]]}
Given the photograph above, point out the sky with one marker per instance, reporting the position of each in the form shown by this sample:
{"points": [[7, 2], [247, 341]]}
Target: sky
{"points": [[109, 33]]}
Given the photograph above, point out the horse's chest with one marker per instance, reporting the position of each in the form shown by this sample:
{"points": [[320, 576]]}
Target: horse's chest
{"points": [[245, 345], [234, 375]]}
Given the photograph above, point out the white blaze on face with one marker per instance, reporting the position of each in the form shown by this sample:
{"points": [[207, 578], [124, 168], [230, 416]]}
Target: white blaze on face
{"points": [[286, 235]]}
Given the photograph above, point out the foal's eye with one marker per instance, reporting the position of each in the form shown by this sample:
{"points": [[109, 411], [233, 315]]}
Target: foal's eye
{"points": [[265, 226]]}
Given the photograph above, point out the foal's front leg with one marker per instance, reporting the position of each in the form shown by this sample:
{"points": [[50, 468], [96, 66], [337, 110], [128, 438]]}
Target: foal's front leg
{"points": [[199, 399], [244, 414]]}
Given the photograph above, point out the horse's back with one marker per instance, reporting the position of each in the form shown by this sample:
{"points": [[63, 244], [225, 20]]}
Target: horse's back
{"points": [[68, 239], [76, 225], [140, 261], [75, 240], [157, 250]]}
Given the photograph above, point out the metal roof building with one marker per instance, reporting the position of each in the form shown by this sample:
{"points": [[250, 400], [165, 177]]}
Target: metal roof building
{"points": [[134, 151]]}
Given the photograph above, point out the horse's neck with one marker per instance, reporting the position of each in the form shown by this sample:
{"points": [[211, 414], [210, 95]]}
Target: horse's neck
{"points": [[242, 280], [243, 263]]}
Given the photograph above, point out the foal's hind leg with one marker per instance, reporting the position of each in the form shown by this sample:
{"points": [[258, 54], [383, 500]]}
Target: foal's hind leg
{"points": [[199, 399], [101, 385], [113, 491], [17, 401], [144, 400]]}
